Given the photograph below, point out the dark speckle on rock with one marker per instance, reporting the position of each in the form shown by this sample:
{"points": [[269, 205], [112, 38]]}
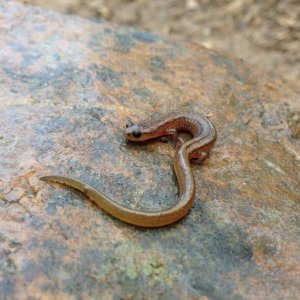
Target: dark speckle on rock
{"points": [[108, 76], [159, 78], [29, 58], [201, 66], [231, 246], [122, 99], [51, 208], [145, 37], [142, 93], [30, 270], [123, 43], [37, 223], [157, 63], [228, 65], [52, 125], [96, 113], [50, 77], [7, 286], [53, 245]]}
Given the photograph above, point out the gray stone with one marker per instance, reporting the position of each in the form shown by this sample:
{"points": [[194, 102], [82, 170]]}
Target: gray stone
{"points": [[68, 86]]}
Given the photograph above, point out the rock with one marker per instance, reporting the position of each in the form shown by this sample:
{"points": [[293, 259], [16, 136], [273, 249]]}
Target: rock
{"points": [[68, 86]]}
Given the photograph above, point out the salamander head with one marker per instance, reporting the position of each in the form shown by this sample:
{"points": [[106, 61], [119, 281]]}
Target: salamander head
{"points": [[135, 132]]}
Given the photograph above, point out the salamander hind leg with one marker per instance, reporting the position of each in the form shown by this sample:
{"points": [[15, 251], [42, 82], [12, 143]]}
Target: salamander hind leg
{"points": [[199, 157]]}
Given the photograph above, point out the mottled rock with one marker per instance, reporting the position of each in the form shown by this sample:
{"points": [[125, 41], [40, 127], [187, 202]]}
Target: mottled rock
{"points": [[68, 85]]}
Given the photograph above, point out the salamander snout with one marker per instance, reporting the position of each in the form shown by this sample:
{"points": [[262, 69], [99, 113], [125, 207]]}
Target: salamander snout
{"points": [[133, 132]]}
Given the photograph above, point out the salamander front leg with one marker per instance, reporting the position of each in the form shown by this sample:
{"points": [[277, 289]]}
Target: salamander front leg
{"points": [[163, 139], [178, 141]]}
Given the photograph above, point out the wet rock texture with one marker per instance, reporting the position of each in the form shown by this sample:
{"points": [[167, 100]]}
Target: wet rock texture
{"points": [[68, 86]]}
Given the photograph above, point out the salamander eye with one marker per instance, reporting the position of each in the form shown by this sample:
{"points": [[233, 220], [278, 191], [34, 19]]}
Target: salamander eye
{"points": [[137, 134]]}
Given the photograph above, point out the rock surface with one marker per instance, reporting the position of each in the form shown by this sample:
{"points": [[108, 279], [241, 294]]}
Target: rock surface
{"points": [[68, 85]]}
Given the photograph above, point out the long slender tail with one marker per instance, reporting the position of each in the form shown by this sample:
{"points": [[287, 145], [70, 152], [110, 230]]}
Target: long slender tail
{"points": [[139, 218], [76, 184]]}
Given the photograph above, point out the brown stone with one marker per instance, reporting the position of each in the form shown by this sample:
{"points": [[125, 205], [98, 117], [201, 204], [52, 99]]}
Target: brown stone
{"points": [[68, 85]]}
